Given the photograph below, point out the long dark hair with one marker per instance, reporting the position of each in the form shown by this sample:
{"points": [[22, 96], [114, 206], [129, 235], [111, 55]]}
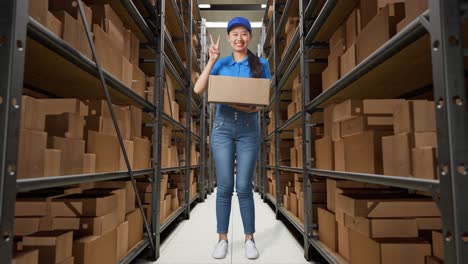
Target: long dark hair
{"points": [[256, 68]]}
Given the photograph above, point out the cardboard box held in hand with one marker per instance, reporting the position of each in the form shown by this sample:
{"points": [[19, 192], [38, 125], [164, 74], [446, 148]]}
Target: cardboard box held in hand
{"points": [[249, 91]]}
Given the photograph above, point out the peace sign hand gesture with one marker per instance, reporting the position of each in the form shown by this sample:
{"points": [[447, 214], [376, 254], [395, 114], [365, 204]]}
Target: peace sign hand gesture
{"points": [[214, 49]]}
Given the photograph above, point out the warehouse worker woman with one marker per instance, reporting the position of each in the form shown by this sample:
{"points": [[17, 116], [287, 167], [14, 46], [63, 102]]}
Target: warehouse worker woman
{"points": [[235, 134]]}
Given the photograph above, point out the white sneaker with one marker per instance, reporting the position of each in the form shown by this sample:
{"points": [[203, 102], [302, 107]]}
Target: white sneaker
{"points": [[251, 251], [220, 250]]}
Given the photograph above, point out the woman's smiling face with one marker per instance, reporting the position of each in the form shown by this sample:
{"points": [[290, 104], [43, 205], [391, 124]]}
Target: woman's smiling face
{"points": [[239, 38]]}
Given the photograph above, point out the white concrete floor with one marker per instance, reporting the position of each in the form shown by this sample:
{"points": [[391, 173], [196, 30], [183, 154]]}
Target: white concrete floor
{"points": [[192, 241]]}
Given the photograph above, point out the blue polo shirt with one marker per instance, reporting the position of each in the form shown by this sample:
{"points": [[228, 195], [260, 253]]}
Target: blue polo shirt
{"points": [[227, 66]]}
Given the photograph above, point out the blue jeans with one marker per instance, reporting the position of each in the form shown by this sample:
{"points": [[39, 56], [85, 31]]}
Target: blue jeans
{"points": [[235, 136]]}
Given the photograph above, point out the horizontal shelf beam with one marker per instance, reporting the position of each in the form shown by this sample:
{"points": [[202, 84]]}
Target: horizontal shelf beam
{"points": [[23, 185], [293, 221], [290, 169], [289, 51], [139, 20], [290, 121], [194, 198], [289, 70], [395, 181], [321, 18], [135, 252], [284, 17], [172, 218]]}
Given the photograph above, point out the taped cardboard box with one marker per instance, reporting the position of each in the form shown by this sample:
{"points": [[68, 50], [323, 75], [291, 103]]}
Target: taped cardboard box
{"points": [[386, 205], [109, 157], [224, 89], [414, 116], [328, 232], [385, 251], [60, 106], [53, 246], [72, 154], [31, 160], [382, 228], [66, 125], [26, 257], [361, 124], [324, 153], [346, 110], [135, 228], [83, 205], [93, 226], [96, 249]]}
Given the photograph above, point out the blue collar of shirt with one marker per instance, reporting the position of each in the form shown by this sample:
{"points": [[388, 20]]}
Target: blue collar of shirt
{"points": [[245, 61]]}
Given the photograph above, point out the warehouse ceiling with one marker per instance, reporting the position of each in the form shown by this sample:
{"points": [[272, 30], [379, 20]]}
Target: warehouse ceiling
{"points": [[224, 10]]}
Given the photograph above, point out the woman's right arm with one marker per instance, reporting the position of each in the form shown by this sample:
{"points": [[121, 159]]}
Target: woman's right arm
{"points": [[202, 82]]}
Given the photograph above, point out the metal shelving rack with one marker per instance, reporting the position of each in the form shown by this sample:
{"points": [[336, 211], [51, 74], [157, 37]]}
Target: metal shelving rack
{"points": [[16, 27], [435, 35]]}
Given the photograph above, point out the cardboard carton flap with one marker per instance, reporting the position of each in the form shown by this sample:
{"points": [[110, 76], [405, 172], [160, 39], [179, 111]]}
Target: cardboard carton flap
{"points": [[250, 91]]}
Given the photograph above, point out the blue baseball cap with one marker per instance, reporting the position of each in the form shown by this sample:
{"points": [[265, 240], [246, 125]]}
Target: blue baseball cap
{"points": [[239, 21]]}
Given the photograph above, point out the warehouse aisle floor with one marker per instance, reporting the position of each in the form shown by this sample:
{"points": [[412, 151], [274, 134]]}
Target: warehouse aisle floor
{"points": [[192, 241]]}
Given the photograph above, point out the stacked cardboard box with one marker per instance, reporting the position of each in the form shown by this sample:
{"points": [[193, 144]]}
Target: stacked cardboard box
{"points": [[413, 9], [51, 138], [171, 107], [73, 225], [284, 159], [370, 25], [289, 30], [144, 190], [293, 197], [116, 46]]}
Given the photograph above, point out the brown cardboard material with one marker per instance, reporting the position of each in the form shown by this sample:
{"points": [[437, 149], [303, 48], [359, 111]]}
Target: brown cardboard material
{"points": [[415, 116], [424, 163], [382, 228], [52, 162], [129, 192], [300, 208], [26, 257], [96, 249], [368, 9], [414, 8], [293, 203], [389, 206], [31, 160], [54, 24], [348, 60], [324, 153], [38, 10], [60, 106], [286, 204], [429, 223], [70, 260], [73, 32], [32, 207], [83, 205], [346, 110], [363, 152], [174, 204], [291, 109], [425, 139], [437, 244], [175, 111], [360, 124], [72, 154], [108, 154], [32, 116], [343, 240], [26, 225], [168, 204], [139, 80], [328, 232], [88, 225], [380, 106], [135, 228], [379, 30], [54, 246], [122, 240], [142, 153], [339, 155], [368, 251], [293, 157], [353, 28], [300, 157], [67, 125], [433, 260], [397, 155], [223, 89], [336, 131], [127, 72], [89, 163], [331, 74], [328, 119], [136, 121], [109, 54]]}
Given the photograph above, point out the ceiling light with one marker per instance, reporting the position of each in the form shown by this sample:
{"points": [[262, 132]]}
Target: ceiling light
{"points": [[204, 6], [263, 5]]}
